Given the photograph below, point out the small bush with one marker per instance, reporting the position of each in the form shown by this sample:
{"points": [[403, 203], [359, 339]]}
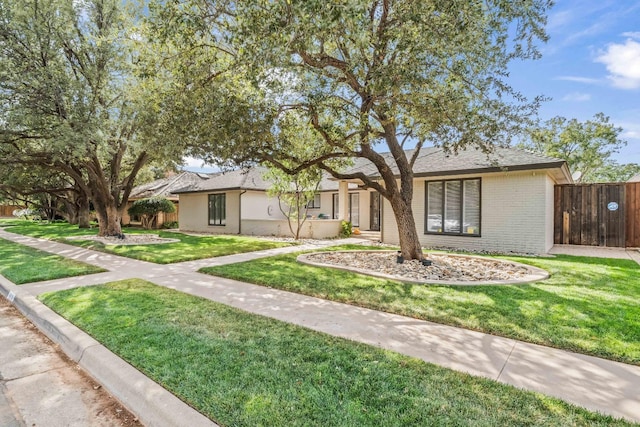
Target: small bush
{"points": [[346, 229], [170, 224], [148, 209]]}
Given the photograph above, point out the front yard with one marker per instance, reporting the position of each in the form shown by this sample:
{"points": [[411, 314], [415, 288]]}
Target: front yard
{"points": [[186, 249], [242, 369], [588, 305]]}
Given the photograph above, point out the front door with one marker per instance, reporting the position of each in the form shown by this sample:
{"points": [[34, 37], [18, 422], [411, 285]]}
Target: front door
{"points": [[374, 211]]}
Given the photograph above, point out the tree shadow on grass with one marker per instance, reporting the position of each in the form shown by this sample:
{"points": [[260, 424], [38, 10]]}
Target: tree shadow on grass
{"points": [[589, 305]]}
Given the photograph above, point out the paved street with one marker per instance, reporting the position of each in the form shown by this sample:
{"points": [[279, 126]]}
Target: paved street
{"points": [[39, 386]]}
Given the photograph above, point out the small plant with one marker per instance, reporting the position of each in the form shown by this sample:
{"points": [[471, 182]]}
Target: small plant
{"points": [[170, 224], [346, 229], [148, 210]]}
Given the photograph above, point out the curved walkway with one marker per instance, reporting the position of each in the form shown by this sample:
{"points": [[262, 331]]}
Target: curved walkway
{"points": [[597, 384]]}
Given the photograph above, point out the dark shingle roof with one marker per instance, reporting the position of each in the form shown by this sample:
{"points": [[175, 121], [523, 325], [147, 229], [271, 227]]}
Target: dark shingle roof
{"points": [[433, 161], [166, 187], [245, 179]]}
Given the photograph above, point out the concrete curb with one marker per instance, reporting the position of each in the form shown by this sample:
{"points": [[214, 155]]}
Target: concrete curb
{"points": [[150, 402]]}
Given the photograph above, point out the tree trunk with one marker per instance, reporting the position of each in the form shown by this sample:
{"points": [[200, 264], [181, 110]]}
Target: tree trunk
{"points": [[410, 246], [83, 213], [109, 221], [71, 213]]}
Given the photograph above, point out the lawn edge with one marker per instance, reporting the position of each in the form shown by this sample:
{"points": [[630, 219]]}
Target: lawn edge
{"points": [[146, 399]]}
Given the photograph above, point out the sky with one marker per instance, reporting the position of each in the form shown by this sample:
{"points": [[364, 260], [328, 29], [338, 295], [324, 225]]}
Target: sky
{"points": [[590, 64]]}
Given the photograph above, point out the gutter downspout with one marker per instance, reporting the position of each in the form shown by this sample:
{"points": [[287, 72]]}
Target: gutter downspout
{"points": [[240, 211]]}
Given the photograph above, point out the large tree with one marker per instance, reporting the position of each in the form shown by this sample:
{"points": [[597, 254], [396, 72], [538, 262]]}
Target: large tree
{"points": [[365, 75], [33, 182], [586, 146], [69, 98]]}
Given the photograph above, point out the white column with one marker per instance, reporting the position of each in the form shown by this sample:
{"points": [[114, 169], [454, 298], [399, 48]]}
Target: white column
{"points": [[343, 200]]}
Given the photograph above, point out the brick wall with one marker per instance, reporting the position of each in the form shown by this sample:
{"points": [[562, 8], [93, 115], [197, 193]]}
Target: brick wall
{"points": [[516, 214]]}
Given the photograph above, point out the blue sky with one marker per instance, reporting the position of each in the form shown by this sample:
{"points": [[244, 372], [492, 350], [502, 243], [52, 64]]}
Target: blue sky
{"points": [[590, 64]]}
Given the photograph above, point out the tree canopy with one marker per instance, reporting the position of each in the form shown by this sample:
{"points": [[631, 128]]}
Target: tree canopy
{"points": [[72, 100], [586, 146], [363, 76]]}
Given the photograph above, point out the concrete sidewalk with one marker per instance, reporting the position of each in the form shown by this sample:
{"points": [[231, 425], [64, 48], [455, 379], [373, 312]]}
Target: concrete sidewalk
{"points": [[597, 384], [596, 251], [37, 380]]}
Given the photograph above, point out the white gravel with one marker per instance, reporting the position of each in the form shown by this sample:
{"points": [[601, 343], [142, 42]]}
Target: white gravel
{"points": [[129, 239], [444, 268]]}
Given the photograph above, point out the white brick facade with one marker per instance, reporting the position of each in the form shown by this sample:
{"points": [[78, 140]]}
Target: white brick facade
{"points": [[516, 214]]}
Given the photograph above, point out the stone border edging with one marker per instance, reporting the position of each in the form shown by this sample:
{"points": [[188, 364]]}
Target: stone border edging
{"points": [[534, 273], [146, 399]]}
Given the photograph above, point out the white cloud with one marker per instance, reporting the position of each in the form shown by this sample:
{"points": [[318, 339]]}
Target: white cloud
{"points": [[623, 63], [578, 79], [631, 134], [197, 165], [632, 34], [577, 97]]}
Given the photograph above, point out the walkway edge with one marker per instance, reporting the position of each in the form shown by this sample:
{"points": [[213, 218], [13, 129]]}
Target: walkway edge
{"points": [[150, 402]]}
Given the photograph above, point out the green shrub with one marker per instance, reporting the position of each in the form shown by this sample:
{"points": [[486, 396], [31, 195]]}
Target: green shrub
{"points": [[148, 209], [346, 229], [170, 224]]}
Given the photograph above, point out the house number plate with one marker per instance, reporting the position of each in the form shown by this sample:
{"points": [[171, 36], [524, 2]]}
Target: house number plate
{"points": [[612, 206]]}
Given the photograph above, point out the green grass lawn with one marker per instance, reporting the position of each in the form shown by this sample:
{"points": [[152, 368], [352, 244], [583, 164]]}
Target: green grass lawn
{"points": [[588, 305], [188, 248], [247, 370], [22, 264]]}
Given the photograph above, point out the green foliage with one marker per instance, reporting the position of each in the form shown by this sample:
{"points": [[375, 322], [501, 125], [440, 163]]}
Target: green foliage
{"points": [[294, 192], [358, 77], [586, 146], [148, 209], [588, 305], [72, 104], [346, 229], [241, 369], [612, 171], [170, 224]]}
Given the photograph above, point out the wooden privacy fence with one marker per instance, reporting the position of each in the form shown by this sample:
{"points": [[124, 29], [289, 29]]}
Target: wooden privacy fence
{"points": [[7, 210], [597, 214], [633, 214]]}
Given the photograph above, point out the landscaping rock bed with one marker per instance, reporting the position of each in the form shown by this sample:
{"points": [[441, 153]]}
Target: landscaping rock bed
{"points": [[445, 268], [129, 239]]}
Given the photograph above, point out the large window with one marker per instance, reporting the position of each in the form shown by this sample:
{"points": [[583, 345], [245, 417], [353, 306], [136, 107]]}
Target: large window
{"points": [[354, 208], [217, 209], [453, 207], [315, 202]]}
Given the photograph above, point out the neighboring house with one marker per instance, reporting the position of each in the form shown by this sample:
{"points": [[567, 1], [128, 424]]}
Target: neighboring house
{"points": [[236, 202], [163, 188], [499, 202], [635, 178]]}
